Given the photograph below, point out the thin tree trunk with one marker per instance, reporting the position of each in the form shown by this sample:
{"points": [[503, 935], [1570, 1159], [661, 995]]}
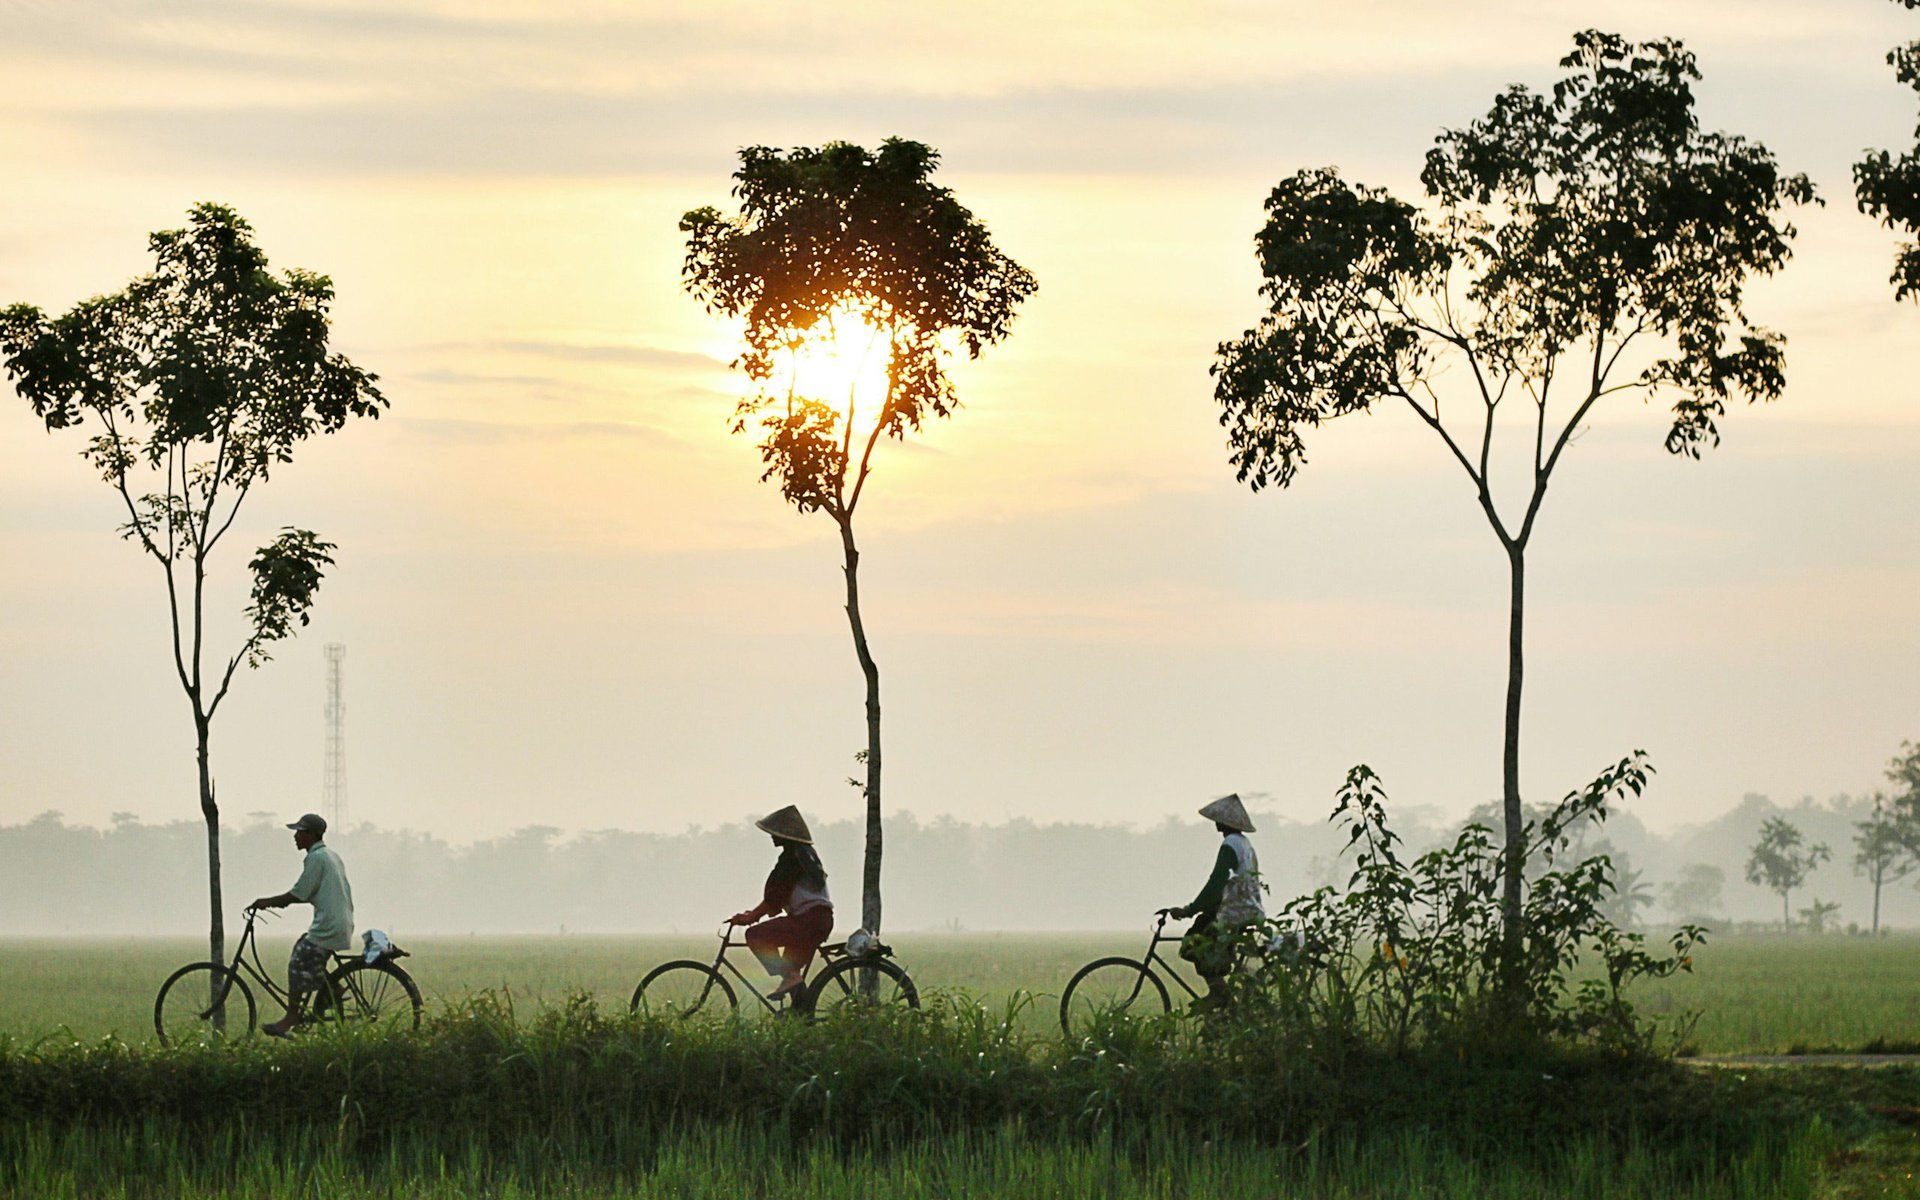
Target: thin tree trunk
{"points": [[870, 877], [1514, 861], [217, 925], [1786, 922], [1876, 901]]}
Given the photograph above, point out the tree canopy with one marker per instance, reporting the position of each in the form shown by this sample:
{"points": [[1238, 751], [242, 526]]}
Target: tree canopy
{"points": [[201, 376], [1888, 186], [841, 231], [1561, 229]]}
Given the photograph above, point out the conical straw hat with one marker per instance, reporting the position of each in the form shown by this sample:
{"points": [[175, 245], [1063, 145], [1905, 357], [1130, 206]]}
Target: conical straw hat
{"points": [[1228, 811], [786, 823]]}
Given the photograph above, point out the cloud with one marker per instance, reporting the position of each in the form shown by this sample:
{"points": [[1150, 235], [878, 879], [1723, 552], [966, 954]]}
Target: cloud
{"points": [[609, 353], [460, 431]]}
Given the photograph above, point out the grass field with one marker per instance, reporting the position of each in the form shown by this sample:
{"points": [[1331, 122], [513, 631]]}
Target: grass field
{"points": [[1801, 1134], [730, 1162], [1752, 993]]}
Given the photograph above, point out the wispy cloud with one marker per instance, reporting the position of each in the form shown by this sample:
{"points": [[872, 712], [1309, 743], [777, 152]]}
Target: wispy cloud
{"points": [[454, 430]]}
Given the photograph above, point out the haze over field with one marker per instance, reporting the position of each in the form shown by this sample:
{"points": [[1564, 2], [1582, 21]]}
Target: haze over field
{"points": [[568, 603]]}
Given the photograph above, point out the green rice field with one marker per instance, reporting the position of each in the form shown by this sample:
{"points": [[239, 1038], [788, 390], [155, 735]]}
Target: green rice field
{"points": [[568, 1105], [1751, 994]]}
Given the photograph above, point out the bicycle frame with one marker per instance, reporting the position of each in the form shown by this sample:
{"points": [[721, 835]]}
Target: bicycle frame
{"points": [[728, 942], [1167, 969], [246, 961]]}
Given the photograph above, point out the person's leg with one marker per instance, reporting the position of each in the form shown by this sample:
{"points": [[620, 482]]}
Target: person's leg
{"points": [[809, 931], [764, 940], [1202, 947], [306, 972]]}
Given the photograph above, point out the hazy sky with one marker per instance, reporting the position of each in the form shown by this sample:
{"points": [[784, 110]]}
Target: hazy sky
{"points": [[567, 601]]}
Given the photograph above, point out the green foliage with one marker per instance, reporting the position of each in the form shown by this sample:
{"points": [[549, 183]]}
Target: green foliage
{"points": [[286, 574], [481, 1071], [841, 232], [1410, 954], [1817, 915], [200, 376], [1887, 186], [1781, 859], [159, 1160], [1595, 216]]}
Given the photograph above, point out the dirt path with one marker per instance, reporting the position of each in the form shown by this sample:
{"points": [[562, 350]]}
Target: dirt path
{"points": [[1803, 1060]]}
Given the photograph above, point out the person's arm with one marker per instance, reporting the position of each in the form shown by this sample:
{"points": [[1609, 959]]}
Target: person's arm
{"points": [[1209, 898], [302, 891], [773, 897]]}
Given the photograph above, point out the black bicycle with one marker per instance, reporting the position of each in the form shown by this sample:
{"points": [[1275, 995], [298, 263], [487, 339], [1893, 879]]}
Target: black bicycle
{"points": [[684, 988], [207, 1001], [1114, 985]]}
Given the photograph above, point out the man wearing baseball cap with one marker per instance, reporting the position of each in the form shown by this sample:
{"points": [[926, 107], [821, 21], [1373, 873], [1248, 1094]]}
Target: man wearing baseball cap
{"points": [[323, 884]]}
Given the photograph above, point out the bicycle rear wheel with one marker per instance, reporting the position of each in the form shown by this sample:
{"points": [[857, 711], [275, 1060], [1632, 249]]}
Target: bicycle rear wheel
{"points": [[683, 989], [375, 995], [1107, 988], [202, 1003], [838, 988]]}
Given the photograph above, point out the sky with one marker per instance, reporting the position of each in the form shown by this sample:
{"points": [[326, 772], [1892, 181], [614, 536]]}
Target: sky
{"points": [[567, 601]]}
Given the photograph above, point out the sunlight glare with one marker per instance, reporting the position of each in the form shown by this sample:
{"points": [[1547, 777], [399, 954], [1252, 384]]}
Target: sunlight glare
{"points": [[842, 362]]}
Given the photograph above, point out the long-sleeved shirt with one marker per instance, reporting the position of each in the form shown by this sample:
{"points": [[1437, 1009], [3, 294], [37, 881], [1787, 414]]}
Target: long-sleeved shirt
{"points": [[1207, 902], [794, 884]]}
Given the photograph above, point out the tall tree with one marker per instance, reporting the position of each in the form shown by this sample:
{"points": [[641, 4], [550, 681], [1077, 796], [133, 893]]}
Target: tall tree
{"points": [[1903, 772], [1781, 860], [1885, 845], [1888, 188], [856, 252], [199, 378], [1588, 243]]}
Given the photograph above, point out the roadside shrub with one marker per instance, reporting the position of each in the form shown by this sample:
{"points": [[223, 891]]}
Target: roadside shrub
{"points": [[1411, 952]]}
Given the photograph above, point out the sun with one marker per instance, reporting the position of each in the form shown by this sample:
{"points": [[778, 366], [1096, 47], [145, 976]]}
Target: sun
{"points": [[841, 361]]}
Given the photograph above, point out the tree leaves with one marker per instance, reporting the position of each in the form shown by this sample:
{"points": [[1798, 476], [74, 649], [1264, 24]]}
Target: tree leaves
{"points": [[1888, 187], [286, 574], [1560, 227], [842, 231]]}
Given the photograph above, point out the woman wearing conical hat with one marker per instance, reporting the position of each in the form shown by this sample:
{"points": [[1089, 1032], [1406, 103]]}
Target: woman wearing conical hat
{"points": [[1228, 903], [797, 888]]}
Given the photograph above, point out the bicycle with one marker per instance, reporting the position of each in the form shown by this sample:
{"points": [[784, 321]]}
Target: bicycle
{"points": [[206, 1001], [685, 988], [1113, 985]]}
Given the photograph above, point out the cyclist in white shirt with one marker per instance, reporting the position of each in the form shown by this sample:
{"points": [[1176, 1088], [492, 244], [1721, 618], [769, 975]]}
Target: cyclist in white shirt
{"points": [[323, 884]]}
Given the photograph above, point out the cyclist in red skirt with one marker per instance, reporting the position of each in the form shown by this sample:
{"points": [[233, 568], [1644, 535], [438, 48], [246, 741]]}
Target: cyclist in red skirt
{"points": [[796, 887]]}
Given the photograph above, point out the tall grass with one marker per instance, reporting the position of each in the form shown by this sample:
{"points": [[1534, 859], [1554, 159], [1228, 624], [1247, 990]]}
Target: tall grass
{"points": [[573, 1075], [159, 1160]]}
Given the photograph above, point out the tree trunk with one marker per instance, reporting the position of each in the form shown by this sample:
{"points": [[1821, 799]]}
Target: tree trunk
{"points": [[217, 924], [1876, 901], [1786, 922], [1514, 863], [870, 877]]}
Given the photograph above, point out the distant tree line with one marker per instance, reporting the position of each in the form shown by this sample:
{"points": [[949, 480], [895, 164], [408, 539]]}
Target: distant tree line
{"points": [[134, 878]]}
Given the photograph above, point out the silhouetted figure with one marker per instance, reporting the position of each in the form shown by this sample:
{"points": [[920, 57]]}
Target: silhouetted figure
{"points": [[1228, 903], [797, 886]]}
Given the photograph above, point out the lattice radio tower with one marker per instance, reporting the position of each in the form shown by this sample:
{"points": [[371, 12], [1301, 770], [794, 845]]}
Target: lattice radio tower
{"points": [[333, 768]]}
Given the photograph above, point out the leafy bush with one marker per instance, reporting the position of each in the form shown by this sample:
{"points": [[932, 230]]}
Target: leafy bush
{"points": [[1412, 952]]}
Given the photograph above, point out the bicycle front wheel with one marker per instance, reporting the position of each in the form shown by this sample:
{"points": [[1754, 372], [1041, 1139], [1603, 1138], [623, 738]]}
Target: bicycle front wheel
{"points": [[1107, 988], [376, 995], [684, 989], [203, 1003], [841, 986]]}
